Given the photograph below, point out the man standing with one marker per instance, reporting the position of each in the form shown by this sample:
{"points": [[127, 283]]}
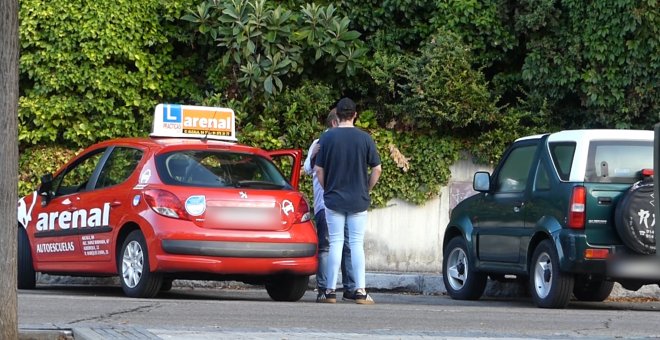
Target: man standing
{"points": [[341, 167], [322, 227]]}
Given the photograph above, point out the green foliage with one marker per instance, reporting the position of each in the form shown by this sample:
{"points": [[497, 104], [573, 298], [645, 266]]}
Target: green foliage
{"points": [[262, 45], [414, 167], [392, 24], [596, 62], [38, 161], [95, 70], [435, 89]]}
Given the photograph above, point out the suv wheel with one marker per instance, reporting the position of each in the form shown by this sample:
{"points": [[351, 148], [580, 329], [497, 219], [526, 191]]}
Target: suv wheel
{"points": [[592, 290], [550, 287], [287, 287], [461, 279], [136, 278]]}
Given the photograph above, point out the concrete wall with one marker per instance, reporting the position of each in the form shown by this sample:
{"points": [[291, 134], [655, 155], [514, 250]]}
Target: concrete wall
{"points": [[404, 237]]}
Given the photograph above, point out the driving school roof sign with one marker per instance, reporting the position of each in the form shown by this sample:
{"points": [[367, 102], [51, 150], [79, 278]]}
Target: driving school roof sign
{"points": [[173, 120]]}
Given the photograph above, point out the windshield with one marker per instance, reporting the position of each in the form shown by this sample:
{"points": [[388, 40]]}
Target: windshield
{"points": [[219, 169]]}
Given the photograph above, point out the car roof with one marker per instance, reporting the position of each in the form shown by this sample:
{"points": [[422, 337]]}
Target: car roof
{"points": [[169, 142], [586, 135]]}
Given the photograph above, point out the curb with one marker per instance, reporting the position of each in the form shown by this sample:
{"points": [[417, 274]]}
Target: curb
{"points": [[412, 283]]}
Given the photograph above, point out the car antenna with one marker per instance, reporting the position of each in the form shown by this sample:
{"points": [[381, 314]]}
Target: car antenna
{"points": [[206, 135]]}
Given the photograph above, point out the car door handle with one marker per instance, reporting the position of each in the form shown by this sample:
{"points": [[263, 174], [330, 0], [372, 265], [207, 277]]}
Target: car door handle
{"points": [[517, 206], [115, 203]]}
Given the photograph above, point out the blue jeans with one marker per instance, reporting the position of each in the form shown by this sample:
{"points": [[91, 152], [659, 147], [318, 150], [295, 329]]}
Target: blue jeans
{"points": [[356, 223], [324, 246]]}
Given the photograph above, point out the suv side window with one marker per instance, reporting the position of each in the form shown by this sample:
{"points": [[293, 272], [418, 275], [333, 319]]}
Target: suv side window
{"points": [[119, 166], [542, 179], [562, 156], [513, 174]]}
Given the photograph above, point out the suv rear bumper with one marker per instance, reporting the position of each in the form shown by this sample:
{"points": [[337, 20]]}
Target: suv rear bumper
{"points": [[618, 265]]}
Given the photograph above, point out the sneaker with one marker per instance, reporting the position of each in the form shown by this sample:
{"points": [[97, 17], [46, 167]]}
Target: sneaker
{"points": [[362, 298], [348, 296], [326, 297]]}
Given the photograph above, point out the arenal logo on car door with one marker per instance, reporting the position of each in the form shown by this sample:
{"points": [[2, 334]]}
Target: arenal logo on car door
{"points": [[81, 218]]}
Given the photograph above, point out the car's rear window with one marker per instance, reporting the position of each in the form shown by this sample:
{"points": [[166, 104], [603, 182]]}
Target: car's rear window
{"points": [[210, 168], [562, 156], [617, 161]]}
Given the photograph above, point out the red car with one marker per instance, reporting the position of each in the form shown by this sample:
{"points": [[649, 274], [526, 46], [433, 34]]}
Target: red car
{"points": [[177, 205]]}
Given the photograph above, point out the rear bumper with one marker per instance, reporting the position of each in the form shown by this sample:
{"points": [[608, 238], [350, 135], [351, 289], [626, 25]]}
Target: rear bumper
{"points": [[618, 266], [239, 249]]}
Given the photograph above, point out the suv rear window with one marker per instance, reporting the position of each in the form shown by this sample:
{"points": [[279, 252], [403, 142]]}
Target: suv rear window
{"points": [[219, 169], [617, 161]]}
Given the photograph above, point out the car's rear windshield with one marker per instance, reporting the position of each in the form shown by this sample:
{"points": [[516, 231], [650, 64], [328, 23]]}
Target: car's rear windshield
{"points": [[617, 161], [218, 169]]}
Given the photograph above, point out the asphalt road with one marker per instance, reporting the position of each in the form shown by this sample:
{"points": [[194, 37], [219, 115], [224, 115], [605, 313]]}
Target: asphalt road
{"points": [[104, 313]]}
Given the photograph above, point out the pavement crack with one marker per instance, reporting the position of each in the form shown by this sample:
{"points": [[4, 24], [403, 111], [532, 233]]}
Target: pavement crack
{"points": [[586, 331], [109, 315]]}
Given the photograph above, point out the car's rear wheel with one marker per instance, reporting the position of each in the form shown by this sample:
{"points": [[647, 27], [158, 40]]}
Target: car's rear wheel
{"points": [[592, 290], [133, 263], [461, 279], [287, 287], [167, 285], [25, 267], [550, 287]]}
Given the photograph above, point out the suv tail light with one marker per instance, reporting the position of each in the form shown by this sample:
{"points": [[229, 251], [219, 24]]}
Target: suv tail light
{"points": [[165, 203], [302, 213], [576, 209]]}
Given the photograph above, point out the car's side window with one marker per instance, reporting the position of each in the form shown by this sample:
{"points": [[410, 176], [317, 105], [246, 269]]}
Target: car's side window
{"points": [[562, 156], [542, 181], [512, 176], [75, 178], [119, 166]]}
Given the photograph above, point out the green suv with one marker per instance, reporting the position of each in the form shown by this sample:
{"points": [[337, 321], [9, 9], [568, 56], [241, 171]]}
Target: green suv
{"points": [[572, 212]]}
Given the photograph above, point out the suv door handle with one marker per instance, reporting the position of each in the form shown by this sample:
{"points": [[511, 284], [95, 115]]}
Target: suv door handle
{"points": [[604, 200], [517, 206]]}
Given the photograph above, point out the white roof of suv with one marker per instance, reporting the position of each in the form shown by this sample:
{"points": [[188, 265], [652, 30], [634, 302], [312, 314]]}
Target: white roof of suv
{"points": [[582, 138]]}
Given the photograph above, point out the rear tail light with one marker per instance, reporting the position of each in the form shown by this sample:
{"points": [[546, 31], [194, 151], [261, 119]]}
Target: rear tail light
{"points": [[302, 213], [576, 209], [165, 203], [596, 253]]}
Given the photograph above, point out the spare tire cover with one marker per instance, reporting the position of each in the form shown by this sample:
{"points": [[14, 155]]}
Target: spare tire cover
{"points": [[635, 218]]}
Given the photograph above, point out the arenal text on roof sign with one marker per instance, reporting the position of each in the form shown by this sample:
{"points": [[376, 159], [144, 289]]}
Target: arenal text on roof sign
{"points": [[173, 120]]}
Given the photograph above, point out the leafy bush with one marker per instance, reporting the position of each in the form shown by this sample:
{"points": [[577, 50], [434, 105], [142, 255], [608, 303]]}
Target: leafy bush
{"points": [[91, 71]]}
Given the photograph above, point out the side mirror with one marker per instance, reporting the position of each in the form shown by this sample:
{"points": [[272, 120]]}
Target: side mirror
{"points": [[45, 188], [481, 181]]}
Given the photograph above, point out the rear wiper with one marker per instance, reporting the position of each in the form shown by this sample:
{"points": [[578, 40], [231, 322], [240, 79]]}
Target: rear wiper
{"points": [[258, 184]]}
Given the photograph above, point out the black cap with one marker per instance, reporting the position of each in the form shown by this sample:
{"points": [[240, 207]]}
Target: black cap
{"points": [[346, 106]]}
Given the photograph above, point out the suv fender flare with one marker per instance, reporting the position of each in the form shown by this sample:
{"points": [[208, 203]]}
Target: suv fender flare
{"points": [[461, 227], [548, 228]]}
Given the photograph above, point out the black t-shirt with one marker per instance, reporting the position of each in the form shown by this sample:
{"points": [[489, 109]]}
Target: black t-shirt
{"points": [[346, 154]]}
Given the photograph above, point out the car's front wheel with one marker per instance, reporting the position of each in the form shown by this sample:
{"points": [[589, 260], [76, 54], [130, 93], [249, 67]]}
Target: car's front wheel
{"points": [[25, 267], [287, 287], [550, 287], [461, 279], [133, 263]]}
